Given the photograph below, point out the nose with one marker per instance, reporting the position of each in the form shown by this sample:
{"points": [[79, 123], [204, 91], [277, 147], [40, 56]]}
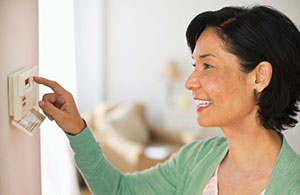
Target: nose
{"points": [[192, 82]]}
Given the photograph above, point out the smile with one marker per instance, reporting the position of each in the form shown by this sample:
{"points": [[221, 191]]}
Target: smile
{"points": [[203, 103]]}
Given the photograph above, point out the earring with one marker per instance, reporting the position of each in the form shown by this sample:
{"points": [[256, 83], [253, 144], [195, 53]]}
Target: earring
{"points": [[255, 91]]}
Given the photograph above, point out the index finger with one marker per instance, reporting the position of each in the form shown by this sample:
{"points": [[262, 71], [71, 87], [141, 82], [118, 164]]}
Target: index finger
{"points": [[52, 84]]}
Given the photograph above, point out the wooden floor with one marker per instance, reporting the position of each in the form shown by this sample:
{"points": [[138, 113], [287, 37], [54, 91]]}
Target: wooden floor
{"points": [[85, 191]]}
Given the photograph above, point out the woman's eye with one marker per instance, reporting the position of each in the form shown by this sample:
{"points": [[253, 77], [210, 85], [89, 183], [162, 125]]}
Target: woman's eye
{"points": [[207, 66]]}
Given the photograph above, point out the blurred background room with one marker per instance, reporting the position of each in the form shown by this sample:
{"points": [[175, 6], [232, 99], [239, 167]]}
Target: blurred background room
{"points": [[125, 62]]}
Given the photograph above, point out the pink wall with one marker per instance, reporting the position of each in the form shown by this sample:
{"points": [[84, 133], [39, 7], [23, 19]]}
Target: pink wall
{"points": [[20, 171]]}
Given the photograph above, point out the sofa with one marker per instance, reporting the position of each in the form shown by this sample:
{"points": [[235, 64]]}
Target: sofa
{"points": [[128, 141]]}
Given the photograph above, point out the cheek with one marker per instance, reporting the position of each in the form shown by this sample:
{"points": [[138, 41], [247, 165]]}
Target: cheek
{"points": [[216, 85], [229, 93]]}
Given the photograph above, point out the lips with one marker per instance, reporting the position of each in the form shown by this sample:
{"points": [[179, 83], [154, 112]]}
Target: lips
{"points": [[202, 104]]}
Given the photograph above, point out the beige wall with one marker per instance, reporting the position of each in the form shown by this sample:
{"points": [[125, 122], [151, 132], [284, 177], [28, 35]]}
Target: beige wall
{"points": [[19, 153]]}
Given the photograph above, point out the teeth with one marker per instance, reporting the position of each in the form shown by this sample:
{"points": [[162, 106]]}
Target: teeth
{"points": [[203, 103]]}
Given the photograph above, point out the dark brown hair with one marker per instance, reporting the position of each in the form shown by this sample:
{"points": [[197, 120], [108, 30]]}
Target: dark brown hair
{"points": [[254, 35]]}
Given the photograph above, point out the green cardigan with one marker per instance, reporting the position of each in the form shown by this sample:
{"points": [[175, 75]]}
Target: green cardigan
{"points": [[186, 172]]}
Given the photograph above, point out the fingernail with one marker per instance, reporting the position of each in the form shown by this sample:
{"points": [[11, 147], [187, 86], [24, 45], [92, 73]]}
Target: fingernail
{"points": [[41, 103]]}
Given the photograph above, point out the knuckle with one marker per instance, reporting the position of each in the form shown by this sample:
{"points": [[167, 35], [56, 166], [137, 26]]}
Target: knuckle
{"points": [[46, 107], [45, 96], [69, 94], [49, 97]]}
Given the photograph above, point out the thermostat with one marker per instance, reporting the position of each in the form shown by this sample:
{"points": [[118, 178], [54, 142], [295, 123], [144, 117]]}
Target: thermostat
{"points": [[22, 98]]}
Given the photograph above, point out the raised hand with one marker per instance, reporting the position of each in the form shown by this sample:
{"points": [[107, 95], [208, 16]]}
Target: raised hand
{"points": [[60, 106]]}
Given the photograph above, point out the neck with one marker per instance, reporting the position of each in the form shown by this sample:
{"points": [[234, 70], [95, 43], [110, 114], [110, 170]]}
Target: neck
{"points": [[251, 148]]}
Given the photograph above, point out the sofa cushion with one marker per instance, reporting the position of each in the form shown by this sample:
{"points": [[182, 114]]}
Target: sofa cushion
{"points": [[126, 121], [99, 118]]}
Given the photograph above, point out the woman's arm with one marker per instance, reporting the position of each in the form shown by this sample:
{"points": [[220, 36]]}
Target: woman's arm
{"points": [[101, 177]]}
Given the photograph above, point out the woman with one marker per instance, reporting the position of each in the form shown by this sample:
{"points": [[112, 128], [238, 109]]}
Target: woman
{"points": [[245, 81]]}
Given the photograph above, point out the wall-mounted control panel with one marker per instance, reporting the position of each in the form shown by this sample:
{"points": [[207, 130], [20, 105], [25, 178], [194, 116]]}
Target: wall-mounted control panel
{"points": [[22, 98]]}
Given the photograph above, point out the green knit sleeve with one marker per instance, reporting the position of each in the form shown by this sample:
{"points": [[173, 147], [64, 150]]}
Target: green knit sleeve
{"points": [[295, 188], [102, 178]]}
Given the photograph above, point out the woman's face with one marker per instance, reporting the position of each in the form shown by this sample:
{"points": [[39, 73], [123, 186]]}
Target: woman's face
{"points": [[222, 92]]}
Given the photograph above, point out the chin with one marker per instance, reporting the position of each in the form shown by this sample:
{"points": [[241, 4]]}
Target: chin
{"points": [[205, 123]]}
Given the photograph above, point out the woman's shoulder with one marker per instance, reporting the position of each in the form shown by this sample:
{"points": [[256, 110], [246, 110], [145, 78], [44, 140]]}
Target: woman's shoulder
{"points": [[288, 158], [199, 149], [285, 177]]}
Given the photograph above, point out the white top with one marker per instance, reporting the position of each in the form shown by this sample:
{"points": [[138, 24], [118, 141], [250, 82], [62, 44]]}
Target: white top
{"points": [[211, 187]]}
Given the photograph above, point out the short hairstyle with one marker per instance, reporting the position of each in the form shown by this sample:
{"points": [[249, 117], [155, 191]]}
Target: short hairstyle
{"points": [[256, 34]]}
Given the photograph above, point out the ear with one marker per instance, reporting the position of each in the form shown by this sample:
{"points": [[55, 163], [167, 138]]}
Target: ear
{"points": [[262, 75]]}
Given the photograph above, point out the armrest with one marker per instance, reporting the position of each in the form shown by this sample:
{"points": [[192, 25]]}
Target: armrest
{"points": [[169, 136], [123, 154]]}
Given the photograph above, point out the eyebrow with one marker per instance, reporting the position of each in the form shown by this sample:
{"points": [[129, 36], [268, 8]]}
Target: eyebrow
{"points": [[206, 55]]}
